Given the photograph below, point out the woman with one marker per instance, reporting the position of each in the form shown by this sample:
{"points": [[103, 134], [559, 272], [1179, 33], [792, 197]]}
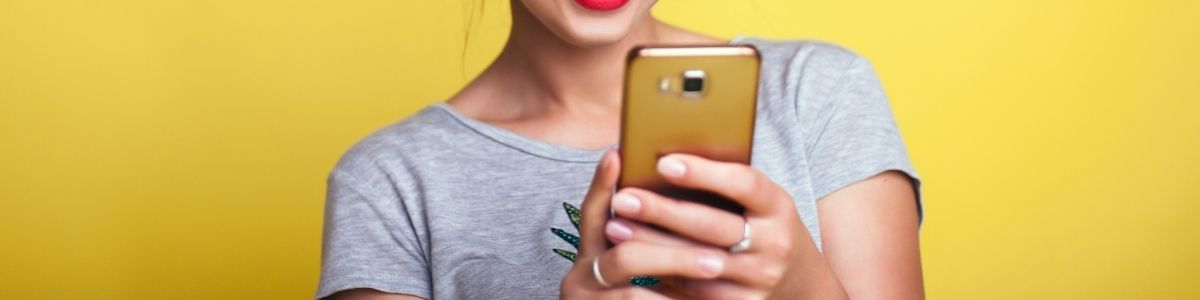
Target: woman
{"points": [[476, 198]]}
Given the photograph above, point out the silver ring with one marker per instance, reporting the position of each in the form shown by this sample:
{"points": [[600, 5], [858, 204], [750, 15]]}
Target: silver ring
{"points": [[596, 273], [743, 244]]}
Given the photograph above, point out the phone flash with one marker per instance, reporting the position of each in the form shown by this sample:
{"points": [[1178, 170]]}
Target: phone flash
{"points": [[664, 84]]}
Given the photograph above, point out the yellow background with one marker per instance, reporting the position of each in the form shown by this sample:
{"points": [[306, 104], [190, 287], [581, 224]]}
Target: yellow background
{"points": [[178, 149]]}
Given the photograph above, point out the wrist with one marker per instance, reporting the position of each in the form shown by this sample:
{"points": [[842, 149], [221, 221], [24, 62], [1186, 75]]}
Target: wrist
{"points": [[810, 277]]}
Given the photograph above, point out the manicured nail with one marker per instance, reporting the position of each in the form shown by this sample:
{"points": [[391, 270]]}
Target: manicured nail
{"points": [[618, 232], [671, 167], [626, 204], [711, 263]]}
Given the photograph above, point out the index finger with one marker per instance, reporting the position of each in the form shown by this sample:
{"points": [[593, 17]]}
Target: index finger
{"points": [[595, 206]]}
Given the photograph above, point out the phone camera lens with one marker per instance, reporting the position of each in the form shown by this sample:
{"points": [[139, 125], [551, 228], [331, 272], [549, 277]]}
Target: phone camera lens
{"points": [[693, 85], [693, 81]]}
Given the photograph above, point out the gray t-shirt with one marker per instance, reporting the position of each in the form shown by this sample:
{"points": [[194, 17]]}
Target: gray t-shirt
{"points": [[443, 206]]}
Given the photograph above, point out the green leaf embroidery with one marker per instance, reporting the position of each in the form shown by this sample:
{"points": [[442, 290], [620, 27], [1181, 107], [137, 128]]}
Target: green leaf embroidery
{"points": [[573, 213], [643, 281], [570, 238], [566, 254]]}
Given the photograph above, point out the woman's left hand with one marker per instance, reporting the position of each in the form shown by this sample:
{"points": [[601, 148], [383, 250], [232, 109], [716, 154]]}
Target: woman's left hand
{"points": [[781, 261]]}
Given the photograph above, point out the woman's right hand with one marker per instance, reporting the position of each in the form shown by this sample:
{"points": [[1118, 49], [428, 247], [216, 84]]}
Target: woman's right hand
{"points": [[631, 258]]}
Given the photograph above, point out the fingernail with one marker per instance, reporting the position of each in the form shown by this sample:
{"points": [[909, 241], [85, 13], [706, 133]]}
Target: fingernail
{"points": [[618, 232], [711, 263], [671, 167], [626, 204]]}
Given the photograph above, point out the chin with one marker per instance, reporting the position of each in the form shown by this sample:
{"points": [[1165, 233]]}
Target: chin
{"points": [[583, 27], [596, 33]]}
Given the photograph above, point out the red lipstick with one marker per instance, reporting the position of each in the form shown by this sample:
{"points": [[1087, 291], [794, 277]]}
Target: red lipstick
{"points": [[601, 5]]}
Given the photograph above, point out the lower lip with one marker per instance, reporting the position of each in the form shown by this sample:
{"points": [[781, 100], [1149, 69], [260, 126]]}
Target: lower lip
{"points": [[601, 5]]}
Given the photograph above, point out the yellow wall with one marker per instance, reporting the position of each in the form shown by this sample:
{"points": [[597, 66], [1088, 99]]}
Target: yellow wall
{"points": [[178, 149]]}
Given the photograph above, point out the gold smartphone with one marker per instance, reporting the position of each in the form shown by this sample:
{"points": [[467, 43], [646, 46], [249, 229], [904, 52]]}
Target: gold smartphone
{"points": [[694, 100]]}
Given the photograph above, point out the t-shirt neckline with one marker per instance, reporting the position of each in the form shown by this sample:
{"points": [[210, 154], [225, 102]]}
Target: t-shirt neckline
{"points": [[523, 143]]}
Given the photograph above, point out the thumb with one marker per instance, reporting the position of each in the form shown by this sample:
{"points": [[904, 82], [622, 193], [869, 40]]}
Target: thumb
{"points": [[595, 207]]}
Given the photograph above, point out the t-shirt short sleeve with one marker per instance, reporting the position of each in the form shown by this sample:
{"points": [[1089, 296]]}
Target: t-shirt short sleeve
{"points": [[851, 133], [369, 239]]}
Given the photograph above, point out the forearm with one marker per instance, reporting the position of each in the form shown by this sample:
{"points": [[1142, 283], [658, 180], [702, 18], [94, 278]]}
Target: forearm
{"points": [[811, 277]]}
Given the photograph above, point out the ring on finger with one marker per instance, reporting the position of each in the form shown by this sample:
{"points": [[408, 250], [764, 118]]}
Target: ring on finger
{"points": [[744, 243], [596, 273]]}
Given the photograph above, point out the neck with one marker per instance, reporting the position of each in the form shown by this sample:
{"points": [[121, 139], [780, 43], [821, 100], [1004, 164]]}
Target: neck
{"points": [[546, 88], [546, 74]]}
